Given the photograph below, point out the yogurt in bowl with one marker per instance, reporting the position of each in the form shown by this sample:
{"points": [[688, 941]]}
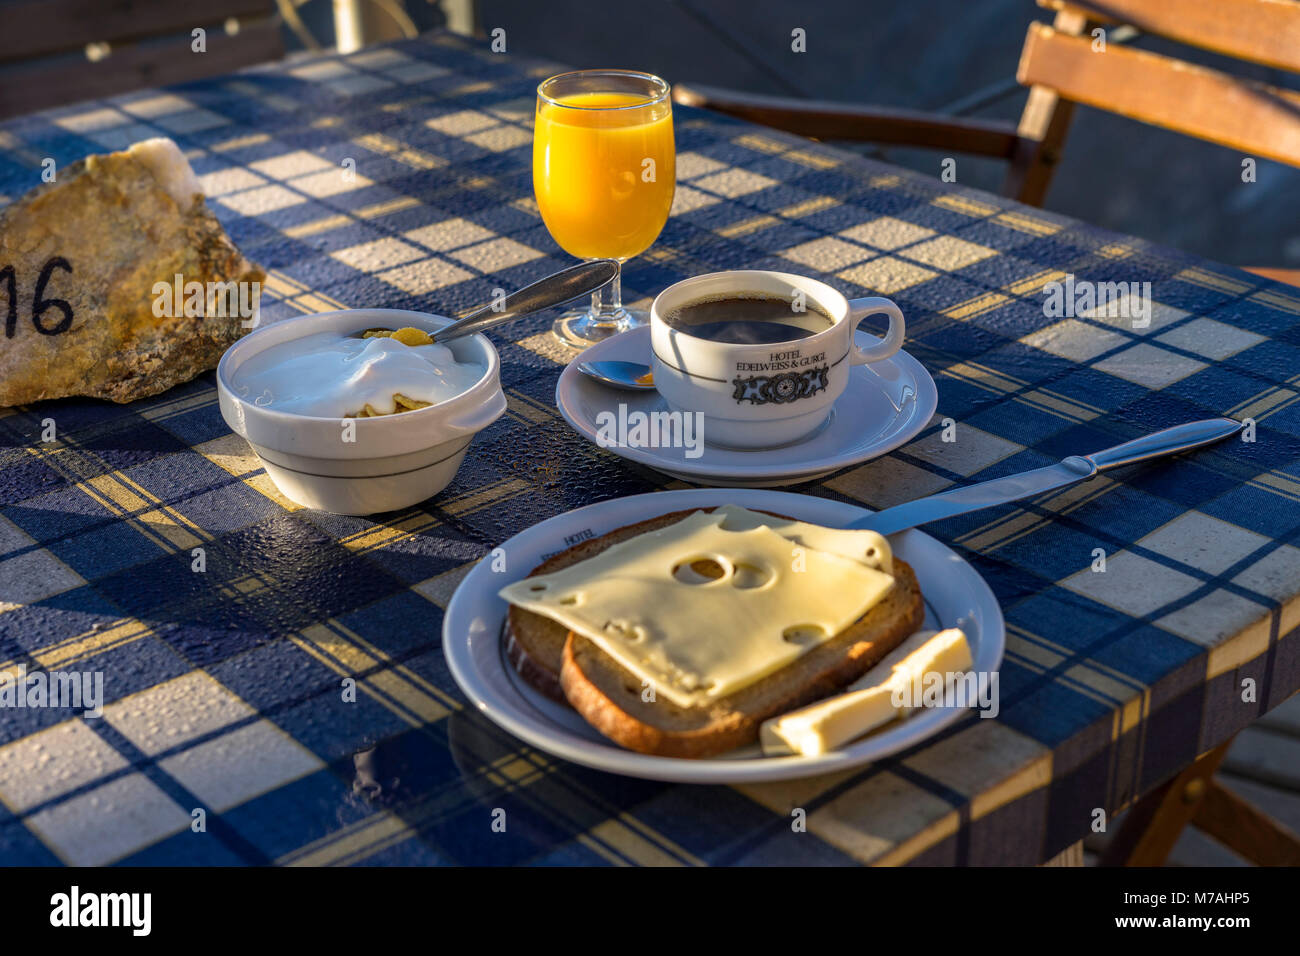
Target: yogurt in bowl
{"points": [[330, 375], [359, 426]]}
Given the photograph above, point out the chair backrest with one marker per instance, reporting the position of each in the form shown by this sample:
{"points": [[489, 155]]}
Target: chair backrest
{"points": [[1256, 118], [43, 46]]}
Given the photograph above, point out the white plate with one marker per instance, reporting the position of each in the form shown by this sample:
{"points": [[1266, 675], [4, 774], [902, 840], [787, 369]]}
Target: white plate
{"points": [[886, 404], [955, 596]]}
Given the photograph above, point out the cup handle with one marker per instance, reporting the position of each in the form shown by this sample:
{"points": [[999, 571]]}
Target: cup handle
{"points": [[859, 309]]}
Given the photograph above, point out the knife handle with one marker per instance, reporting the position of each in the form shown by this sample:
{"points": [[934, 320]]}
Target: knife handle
{"points": [[1169, 441]]}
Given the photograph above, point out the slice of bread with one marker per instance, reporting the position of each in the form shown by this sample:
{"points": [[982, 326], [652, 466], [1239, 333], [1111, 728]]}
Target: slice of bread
{"points": [[535, 644], [609, 697]]}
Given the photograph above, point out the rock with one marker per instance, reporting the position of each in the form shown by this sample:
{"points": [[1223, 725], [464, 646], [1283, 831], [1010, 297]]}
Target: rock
{"points": [[90, 267]]}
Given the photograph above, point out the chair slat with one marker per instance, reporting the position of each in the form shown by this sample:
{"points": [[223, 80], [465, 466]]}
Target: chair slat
{"points": [[38, 27], [1259, 31], [1044, 124], [1255, 118]]}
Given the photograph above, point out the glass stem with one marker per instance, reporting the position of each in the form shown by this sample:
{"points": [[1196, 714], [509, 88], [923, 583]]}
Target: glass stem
{"points": [[607, 301]]}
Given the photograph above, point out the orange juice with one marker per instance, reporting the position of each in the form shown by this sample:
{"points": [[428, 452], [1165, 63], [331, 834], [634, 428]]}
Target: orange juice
{"points": [[604, 172]]}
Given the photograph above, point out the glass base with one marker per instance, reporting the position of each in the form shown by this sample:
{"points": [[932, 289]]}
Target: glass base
{"points": [[582, 327]]}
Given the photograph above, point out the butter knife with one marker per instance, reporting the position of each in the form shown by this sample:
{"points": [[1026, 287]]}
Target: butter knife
{"points": [[1028, 484]]}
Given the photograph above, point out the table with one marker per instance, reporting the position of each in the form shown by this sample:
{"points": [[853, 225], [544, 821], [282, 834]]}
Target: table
{"points": [[231, 735]]}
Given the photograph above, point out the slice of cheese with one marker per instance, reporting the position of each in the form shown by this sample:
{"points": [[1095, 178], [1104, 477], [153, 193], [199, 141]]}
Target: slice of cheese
{"points": [[868, 703], [651, 604], [869, 547]]}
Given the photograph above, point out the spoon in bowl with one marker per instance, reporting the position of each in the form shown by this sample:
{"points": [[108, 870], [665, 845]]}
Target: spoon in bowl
{"points": [[572, 283]]}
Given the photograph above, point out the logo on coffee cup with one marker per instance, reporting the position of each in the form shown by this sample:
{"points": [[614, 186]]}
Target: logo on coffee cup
{"points": [[781, 389]]}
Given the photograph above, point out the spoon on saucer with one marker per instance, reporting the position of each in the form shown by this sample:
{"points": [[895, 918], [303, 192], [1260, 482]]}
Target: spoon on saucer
{"points": [[630, 375]]}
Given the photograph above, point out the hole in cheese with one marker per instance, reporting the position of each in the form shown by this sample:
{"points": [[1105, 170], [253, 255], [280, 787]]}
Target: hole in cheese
{"points": [[804, 634], [571, 599], [700, 571], [751, 576], [625, 630]]}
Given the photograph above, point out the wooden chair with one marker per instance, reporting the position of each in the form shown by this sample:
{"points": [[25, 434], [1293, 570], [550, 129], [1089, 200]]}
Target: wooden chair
{"points": [[45, 46], [1061, 67], [1153, 825]]}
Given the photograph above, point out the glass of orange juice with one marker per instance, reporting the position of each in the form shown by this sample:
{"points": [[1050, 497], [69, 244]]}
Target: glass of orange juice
{"points": [[604, 171]]}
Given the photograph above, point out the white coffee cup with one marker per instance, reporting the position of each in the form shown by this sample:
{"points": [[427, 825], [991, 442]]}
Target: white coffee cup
{"points": [[762, 396]]}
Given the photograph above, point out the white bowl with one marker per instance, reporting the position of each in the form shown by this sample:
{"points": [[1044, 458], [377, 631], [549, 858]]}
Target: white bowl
{"points": [[395, 461]]}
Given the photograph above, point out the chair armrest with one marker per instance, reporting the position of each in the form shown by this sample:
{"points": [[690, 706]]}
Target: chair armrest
{"points": [[822, 119]]}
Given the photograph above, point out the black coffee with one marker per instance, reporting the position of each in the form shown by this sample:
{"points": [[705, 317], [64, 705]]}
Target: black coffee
{"points": [[748, 320]]}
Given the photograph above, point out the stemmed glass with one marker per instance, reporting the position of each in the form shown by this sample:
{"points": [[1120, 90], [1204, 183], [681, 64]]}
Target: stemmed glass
{"points": [[604, 171]]}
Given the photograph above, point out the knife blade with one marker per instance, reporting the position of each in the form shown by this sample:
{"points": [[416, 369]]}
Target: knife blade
{"points": [[1029, 484]]}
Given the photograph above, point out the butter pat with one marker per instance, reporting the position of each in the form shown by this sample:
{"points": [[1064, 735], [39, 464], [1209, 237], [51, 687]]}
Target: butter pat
{"points": [[695, 636], [868, 702]]}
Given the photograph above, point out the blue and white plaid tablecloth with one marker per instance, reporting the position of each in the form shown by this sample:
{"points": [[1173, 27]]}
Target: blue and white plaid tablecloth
{"points": [[225, 688]]}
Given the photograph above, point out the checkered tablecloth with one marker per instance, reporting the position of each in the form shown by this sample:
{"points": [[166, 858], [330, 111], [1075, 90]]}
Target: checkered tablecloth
{"points": [[229, 736]]}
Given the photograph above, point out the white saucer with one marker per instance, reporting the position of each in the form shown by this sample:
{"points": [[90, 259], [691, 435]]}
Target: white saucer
{"points": [[955, 596], [886, 404]]}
